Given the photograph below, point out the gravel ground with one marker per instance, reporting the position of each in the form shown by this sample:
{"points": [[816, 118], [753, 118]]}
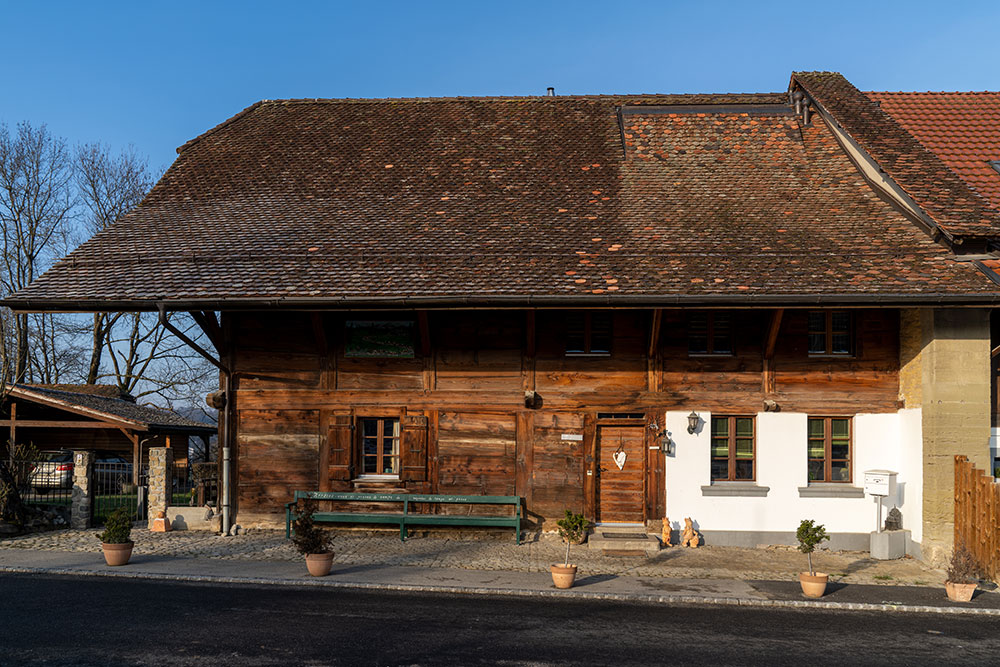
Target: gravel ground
{"points": [[475, 552]]}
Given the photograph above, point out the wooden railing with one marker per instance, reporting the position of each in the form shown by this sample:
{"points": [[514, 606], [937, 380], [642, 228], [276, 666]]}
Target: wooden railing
{"points": [[977, 515]]}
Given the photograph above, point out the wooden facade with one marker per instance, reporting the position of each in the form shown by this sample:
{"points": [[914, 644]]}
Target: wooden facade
{"points": [[491, 403]]}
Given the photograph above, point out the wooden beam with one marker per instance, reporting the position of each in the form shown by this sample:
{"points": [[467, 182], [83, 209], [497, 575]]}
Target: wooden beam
{"points": [[427, 352], [13, 427], [654, 331], [43, 423], [528, 357], [210, 325], [425, 333], [319, 333], [772, 333], [767, 372], [995, 351]]}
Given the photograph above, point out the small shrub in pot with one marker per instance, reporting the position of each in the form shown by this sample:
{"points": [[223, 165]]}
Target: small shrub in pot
{"points": [[963, 575], [810, 535], [573, 529], [312, 541], [116, 540]]}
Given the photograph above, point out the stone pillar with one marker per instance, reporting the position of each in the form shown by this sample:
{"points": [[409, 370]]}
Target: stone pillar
{"points": [[955, 414], [82, 508], [161, 462]]}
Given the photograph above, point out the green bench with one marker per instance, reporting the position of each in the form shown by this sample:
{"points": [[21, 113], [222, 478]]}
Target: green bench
{"points": [[407, 517]]}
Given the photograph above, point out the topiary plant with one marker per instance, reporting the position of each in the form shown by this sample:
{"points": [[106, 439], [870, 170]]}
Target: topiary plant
{"points": [[117, 527], [963, 568], [572, 528], [306, 535], [810, 535]]}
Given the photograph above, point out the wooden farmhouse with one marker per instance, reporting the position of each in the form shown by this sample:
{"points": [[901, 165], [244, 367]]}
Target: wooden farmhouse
{"points": [[723, 307]]}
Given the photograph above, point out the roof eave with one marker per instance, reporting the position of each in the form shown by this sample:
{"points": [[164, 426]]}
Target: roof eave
{"points": [[509, 301]]}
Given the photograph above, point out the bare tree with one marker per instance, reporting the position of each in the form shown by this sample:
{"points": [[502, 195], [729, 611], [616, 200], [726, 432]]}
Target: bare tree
{"points": [[150, 363], [110, 186], [36, 203]]}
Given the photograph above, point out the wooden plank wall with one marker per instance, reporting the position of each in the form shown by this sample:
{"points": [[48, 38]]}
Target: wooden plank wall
{"points": [[469, 376], [977, 515]]}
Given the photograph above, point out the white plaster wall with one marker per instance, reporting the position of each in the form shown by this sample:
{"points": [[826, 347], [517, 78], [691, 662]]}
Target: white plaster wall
{"points": [[881, 441], [995, 444]]}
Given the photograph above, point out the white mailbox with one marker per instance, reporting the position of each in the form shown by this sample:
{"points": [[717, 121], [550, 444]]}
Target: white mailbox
{"points": [[880, 483]]}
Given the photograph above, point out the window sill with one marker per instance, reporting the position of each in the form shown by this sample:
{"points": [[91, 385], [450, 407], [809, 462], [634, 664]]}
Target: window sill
{"points": [[831, 490], [376, 478], [735, 489]]}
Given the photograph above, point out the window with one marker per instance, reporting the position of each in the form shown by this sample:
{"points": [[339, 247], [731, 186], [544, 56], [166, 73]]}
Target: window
{"points": [[710, 333], [831, 332], [378, 339], [379, 445], [829, 449], [732, 449], [588, 334]]}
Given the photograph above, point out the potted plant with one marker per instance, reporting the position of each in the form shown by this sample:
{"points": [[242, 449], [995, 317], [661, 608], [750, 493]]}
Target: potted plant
{"points": [[963, 575], [810, 535], [573, 529], [311, 541], [116, 540]]}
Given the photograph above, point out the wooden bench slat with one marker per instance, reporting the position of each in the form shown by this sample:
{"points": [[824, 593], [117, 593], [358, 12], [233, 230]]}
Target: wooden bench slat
{"points": [[406, 517]]}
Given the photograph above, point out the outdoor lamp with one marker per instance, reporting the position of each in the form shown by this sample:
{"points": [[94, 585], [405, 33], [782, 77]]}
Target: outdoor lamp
{"points": [[693, 420]]}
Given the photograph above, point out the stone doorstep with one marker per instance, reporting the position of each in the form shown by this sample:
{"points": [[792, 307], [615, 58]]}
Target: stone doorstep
{"points": [[623, 542]]}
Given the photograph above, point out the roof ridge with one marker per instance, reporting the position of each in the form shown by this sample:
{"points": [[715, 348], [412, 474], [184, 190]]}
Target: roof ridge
{"points": [[931, 92], [232, 119]]}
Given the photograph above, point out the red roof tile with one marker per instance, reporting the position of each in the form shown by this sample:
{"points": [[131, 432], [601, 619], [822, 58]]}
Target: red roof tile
{"points": [[316, 203], [938, 191], [963, 129]]}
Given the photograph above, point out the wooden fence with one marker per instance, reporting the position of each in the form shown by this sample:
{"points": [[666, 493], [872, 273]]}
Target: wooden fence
{"points": [[977, 515]]}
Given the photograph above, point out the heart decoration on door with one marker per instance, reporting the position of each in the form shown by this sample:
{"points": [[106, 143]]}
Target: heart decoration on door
{"points": [[620, 455]]}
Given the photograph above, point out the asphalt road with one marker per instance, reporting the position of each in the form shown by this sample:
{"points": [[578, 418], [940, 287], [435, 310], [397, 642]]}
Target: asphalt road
{"points": [[96, 621]]}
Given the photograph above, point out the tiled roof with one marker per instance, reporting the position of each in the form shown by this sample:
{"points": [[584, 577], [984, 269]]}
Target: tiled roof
{"points": [[154, 418], [925, 177], [308, 203], [963, 129]]}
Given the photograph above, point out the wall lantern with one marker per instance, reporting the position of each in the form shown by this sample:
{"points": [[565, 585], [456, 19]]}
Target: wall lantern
{"points": [[693, 420]]}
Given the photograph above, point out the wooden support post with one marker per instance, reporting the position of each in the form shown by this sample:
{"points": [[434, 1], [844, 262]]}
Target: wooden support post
{"points": [[528, 357], [524, 457], [590, 466], [427, 352], [653, 352], [770, 343], [322, 349], [13, 429]]}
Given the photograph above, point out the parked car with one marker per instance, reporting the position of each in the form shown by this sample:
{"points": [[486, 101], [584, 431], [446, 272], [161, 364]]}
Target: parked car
{"points": [[54, 470]]}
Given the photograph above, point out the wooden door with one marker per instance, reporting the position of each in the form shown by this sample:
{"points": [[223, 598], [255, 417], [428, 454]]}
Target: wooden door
{"points": [[620, 493]]}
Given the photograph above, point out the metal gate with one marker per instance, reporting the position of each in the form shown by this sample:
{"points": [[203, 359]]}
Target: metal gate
{"points": [[116, 486]]}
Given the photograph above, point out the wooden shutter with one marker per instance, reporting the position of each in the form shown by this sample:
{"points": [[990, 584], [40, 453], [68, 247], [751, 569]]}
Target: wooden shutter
{"points": [[413, 448], [340, 440]]}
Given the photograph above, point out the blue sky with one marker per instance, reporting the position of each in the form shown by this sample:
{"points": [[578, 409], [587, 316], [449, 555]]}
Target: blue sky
{"points": [[156, 74]]}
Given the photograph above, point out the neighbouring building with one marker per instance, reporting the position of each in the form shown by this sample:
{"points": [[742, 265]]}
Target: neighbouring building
{"points": [[724, 307], [95, 417]]}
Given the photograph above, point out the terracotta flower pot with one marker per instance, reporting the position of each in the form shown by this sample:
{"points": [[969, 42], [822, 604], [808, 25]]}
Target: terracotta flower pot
{"points": [[959, 592], [563, 575], [117, 554], [319, 564], [813, 585]]}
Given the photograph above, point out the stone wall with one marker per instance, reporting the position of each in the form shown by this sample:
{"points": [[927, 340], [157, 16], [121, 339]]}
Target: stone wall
{"points": [[955, 406], [161, 462], [911, 343]]}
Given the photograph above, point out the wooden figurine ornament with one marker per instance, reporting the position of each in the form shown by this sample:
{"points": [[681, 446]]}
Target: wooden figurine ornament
{"points": [[665, 535], [690, 537]]}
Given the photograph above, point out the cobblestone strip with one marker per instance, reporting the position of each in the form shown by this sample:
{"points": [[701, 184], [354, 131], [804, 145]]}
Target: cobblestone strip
{"points": [[470, 590]]}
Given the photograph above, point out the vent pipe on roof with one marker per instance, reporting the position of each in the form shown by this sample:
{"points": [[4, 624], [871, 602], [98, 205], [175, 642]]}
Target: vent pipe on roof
{"points": [[550, 91], [802, 102]]}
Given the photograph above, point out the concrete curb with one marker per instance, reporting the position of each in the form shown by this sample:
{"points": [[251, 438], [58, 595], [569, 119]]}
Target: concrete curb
{"points": [[575, 594]]}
